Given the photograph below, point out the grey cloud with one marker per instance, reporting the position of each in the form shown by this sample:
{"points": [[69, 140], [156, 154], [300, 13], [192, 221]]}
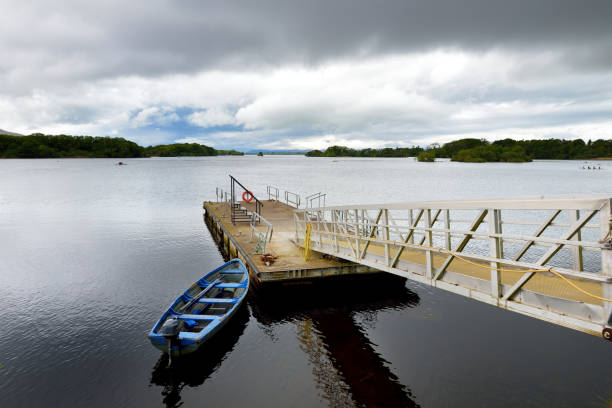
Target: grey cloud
{"points": [[106, 39], [94, 64]]}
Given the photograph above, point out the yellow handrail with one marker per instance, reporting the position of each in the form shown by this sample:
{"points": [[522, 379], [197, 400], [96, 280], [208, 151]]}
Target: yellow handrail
{"points": [[307, 242]]}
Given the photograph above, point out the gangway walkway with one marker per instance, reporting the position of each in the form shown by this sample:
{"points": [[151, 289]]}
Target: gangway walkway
{"points": [[549, 258]]}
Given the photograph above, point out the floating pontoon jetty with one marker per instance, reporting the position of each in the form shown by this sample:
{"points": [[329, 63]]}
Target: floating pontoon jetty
{"points": [[250, 231]]}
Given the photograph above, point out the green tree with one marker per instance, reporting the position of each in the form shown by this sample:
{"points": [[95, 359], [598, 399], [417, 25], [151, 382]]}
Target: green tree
{"points": [[427, 156]]}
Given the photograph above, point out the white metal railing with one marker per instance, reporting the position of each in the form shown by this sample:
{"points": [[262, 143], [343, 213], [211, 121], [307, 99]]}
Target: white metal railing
{"points": [[263, 235], [222, 196], [293, 199], [316, 198], [273, 193], [520, 254]]}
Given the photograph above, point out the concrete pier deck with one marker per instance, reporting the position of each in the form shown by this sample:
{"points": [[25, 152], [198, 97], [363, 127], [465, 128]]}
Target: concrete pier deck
{"points": [[290, 265]]}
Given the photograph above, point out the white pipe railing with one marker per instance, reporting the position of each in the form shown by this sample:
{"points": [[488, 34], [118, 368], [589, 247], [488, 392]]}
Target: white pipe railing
{"points": [[317, 198], [263, 236], [222, 196], [273, 193], [293, 199]]}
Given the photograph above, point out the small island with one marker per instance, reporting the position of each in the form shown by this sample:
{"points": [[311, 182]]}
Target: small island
{"points": [[427, 156]]}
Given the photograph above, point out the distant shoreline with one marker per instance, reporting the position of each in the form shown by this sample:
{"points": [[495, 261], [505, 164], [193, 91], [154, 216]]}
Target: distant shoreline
{"points": [[64, 146], [463, 150], [482, 151]]}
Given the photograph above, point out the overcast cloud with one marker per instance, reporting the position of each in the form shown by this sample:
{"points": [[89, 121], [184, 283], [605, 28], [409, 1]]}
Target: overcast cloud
{"points": [[307, 74]]}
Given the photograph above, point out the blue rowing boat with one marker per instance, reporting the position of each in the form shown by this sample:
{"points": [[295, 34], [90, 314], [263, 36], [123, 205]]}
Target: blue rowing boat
{"points": [[201, 310]]}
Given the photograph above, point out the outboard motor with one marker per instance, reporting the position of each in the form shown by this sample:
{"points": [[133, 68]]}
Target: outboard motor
{"points": [[170, 331]]}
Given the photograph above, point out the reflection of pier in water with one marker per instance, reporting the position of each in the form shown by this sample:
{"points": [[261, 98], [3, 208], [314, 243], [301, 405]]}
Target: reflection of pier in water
{"points": [[347, 369], [196, 369]]}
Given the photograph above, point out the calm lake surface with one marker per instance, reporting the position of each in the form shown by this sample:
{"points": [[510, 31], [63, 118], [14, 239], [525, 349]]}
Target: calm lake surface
{"points": [[92, 253]]}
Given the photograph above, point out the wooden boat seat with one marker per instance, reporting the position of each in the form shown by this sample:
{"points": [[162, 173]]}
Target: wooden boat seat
{"points": [[217, 300], [230, 285], [197, 317], [236, 271]]}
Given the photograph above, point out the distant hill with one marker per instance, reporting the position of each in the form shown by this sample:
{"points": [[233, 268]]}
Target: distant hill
{"points": [[6, 132]]}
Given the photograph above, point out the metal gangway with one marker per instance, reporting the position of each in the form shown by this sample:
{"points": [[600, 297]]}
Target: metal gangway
{"points": [[549, 258]]}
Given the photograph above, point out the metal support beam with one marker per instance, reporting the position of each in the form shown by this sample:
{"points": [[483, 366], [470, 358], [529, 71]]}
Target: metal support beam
{"points": [[409, 238], [428, 254], [575, 227], [386, 234], [539, 232], [410, 220], [475, 224], [605, 223], [334, 215], [495, 251], [356, 224], [447, 225], [576, 250], [372, 234]]}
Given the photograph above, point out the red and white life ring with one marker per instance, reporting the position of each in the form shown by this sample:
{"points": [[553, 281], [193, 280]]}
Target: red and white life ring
{"points": [[247, 196]]}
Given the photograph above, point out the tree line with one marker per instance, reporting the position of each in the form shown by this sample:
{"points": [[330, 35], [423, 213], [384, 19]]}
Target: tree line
{"points": [[45, 146], [342, 151], [481, 150]]}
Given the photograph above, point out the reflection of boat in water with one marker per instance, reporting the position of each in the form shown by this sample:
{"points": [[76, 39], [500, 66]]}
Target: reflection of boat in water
{"points": [[196, 369], [346, 366], [202, 310]]}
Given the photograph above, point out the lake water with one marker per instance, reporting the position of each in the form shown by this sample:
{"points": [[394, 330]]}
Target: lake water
{"points": [[92, 253]]}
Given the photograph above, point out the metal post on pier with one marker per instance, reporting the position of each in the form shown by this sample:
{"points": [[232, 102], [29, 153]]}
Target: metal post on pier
{"points": [[605, 217]]}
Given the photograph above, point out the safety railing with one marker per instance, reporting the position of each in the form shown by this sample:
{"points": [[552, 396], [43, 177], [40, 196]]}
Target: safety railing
{"points": [[262, 229], [222, 196], [316, 200], [293, 199], [273, 193], [547, 258]]}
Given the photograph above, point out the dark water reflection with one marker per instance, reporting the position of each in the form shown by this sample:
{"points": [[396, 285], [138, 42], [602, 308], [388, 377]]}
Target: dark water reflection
{"points": [[345, 365], [194, 369]]}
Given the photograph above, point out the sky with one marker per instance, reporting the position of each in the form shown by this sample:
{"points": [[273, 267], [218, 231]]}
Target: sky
{"points": [[301, 74]]}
